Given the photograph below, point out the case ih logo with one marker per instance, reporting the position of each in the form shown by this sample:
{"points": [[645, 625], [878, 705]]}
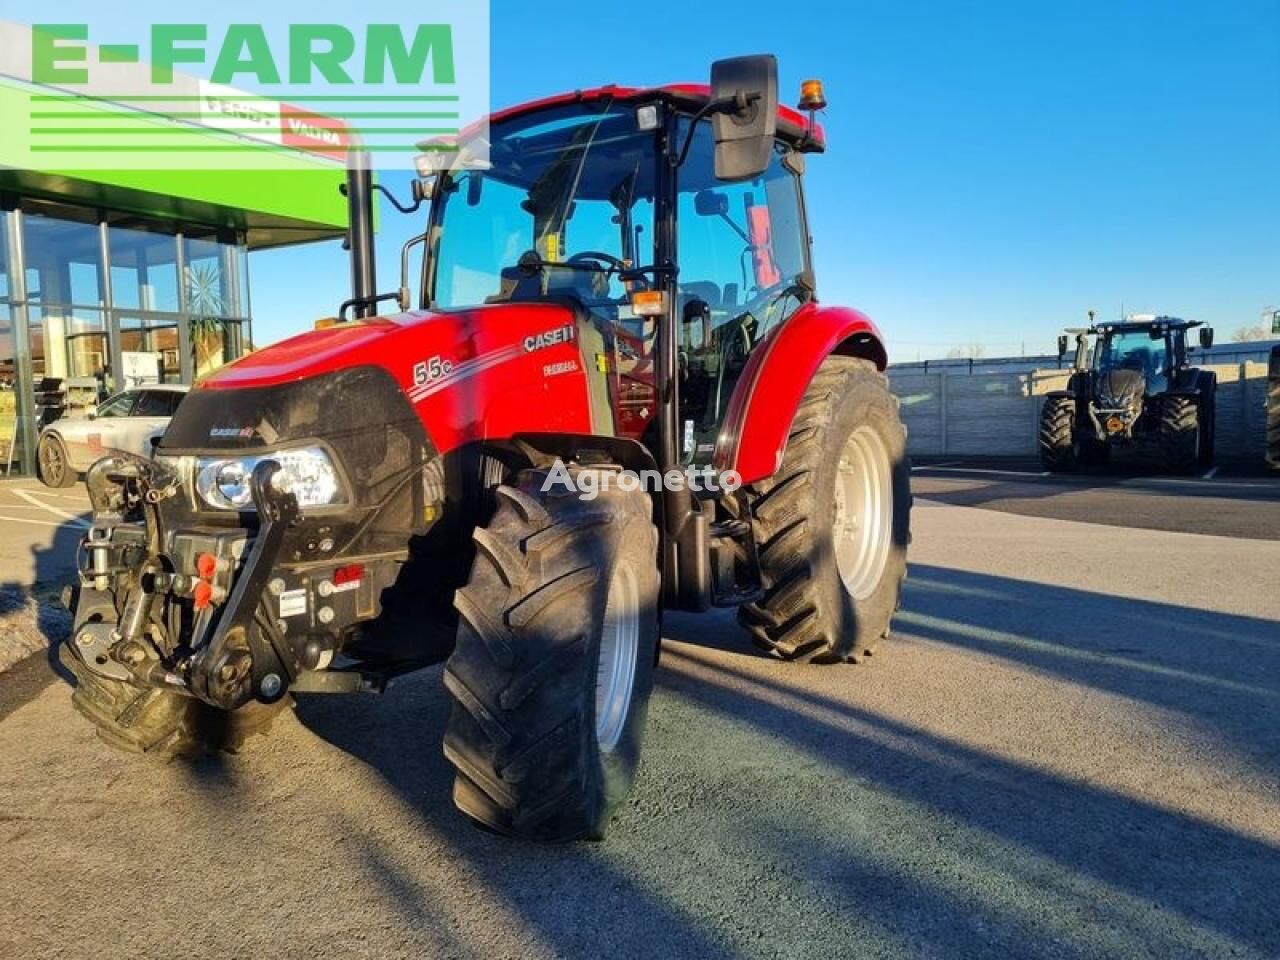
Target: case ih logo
{"points": [[550, 338]]}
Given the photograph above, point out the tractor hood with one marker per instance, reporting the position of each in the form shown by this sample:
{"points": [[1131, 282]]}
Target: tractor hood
{"points": [[382, 341], [1121, 388], [468, 374]]}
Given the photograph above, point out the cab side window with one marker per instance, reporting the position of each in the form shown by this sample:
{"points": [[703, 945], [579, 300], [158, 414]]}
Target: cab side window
{"points": [[743, 250]]}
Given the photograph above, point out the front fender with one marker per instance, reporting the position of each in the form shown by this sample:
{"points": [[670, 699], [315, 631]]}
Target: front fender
{"points": [[754, 435]]}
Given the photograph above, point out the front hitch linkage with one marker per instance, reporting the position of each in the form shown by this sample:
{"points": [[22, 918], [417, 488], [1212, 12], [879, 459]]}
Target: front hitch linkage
{"points": [[240, 662]]}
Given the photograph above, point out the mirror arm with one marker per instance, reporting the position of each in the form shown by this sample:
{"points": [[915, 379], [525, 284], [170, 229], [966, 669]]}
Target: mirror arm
{"points": [[734, 104], [363, 302], [342, 188]]}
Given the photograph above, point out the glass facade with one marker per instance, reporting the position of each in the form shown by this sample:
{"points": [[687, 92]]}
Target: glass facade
{"points": [[94, 301]]}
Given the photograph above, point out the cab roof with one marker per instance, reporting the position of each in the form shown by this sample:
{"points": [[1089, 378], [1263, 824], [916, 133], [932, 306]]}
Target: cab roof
{"points": [[1134, 325], [792, 124]]}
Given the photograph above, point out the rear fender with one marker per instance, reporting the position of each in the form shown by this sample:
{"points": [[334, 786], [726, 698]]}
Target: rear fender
{"points": [[1191, 380], [763, 406]]}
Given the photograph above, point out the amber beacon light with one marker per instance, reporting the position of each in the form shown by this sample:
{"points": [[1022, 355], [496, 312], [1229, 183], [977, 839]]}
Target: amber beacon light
{"points": [[812, 96]]}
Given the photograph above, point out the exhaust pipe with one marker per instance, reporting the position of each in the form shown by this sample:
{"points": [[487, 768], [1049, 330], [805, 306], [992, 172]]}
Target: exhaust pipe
{"points": [[360, 232]]}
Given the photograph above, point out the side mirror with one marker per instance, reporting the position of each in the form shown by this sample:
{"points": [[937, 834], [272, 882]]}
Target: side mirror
{"points": [[709, 203], [1206, 337], [1062, 345], [745, 125]]}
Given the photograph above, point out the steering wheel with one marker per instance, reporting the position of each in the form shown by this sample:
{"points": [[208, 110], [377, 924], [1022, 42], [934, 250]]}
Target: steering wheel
{"points": [[605, 258]]}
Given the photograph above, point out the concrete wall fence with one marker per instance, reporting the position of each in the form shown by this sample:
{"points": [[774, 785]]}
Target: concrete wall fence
{"points": [[950, 412]]}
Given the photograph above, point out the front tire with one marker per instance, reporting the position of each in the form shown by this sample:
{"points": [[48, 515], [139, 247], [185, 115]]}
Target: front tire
{"points": [[1059, 451], [52, 463], [832, 526], [160, 723], [553, 666]]}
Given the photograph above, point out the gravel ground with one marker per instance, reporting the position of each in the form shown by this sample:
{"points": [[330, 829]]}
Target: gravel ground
{"points": [[1067, 750]]}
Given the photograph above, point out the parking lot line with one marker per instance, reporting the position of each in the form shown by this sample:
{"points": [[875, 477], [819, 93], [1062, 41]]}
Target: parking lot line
{"points": [[50, 508], [1209, 475], [38, 523]]}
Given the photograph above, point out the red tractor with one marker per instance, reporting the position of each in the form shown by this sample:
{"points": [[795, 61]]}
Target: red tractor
{"points": [[618, 393]]}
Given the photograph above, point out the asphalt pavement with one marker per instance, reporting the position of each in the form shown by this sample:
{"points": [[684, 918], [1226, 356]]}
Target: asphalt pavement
{"points": [[1228, 501], [1068, 748], [39, 531]]}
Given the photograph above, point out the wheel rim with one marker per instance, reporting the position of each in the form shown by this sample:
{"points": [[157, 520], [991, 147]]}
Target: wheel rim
{"points": [[51, 461], [864, 512], [619, 644]]}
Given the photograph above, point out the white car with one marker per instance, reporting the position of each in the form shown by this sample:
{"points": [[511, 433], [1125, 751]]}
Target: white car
{"points": [[126, 423]]}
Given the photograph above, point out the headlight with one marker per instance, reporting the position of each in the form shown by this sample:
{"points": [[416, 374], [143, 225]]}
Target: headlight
{"points": [[307, 473]]}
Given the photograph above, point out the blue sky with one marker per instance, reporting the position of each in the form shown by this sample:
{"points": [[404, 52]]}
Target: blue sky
{"points": [[993, 170]]}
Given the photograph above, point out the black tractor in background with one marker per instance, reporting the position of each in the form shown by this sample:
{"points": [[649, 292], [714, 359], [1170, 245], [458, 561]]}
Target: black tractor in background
{"points": [[1131, 386]]}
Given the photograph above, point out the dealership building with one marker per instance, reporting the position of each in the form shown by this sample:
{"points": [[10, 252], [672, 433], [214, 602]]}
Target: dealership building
{"points": [[112, 277]]}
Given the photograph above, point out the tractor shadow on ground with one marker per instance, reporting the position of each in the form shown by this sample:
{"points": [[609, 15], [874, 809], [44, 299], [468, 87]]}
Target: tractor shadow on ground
{"points": [[1041, 864], [50, 566], [968, 853], [1221, 671], [572, 896]]}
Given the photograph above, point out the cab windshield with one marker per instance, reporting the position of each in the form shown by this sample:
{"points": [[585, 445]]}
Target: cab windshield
{"points": [[1131, 350], [567, 204]]}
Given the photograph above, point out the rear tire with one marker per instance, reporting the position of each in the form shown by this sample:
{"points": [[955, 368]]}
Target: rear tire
{"points": [[1180, 434], [52, 464], [553, 665], [1059, 451], [160, 723], [832, 526]]}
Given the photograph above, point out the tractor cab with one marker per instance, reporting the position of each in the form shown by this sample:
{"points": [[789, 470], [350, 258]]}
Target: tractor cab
{"points": [[1154, 346], [625, 206]]}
